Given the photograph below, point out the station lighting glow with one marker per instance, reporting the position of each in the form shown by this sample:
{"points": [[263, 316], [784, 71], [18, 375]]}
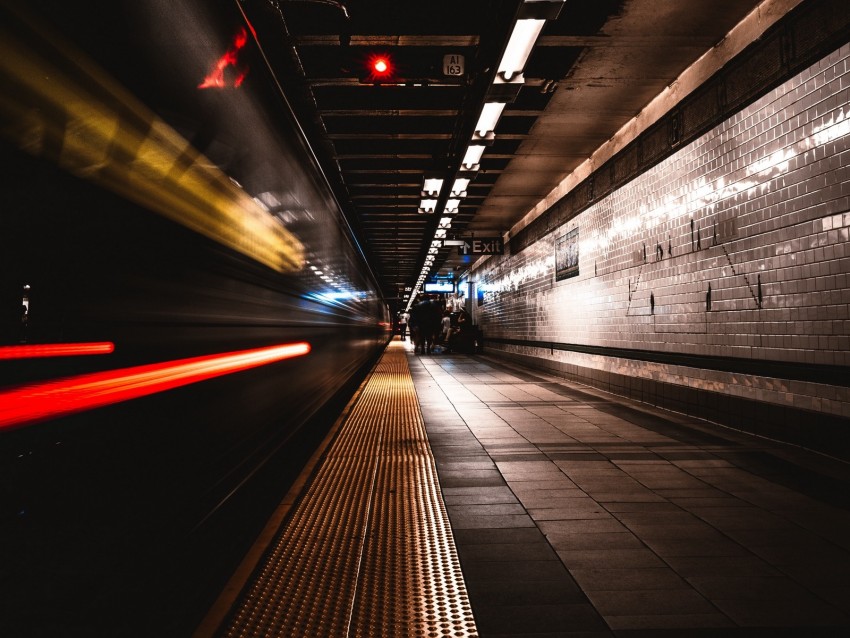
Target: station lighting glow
{"points": [[451, 206], [427, 205], [459, 187], [519, 47], [52, 399], [490, 115], [522, 41], [432, 187], [473, 156]]}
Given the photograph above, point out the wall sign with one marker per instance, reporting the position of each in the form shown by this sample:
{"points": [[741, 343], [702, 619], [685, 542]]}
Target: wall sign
{"points": [[566, 255], [482, 246], [454, 65]]}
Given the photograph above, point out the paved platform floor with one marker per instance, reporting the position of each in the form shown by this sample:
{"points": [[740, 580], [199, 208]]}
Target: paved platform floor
{"points": [[576, 513]]}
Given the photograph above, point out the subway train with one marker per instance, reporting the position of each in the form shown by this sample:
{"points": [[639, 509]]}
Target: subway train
{"points": [[183, 305]]}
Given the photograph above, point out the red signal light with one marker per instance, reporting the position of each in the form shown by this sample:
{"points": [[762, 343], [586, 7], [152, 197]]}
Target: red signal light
{"points": [[379, 68]]}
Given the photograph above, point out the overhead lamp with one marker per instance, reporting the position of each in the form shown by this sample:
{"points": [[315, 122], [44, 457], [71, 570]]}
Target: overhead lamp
{"points": [[432, 186], [519, 47], [490, 115], [427, 205], [541, 9], [436, 243], [440, 233], [445, 222], [433, 250], [459, 187], [452, 206], [472, 157]]}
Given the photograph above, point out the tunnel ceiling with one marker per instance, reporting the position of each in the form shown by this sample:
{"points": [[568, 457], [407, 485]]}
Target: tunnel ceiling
{"points": [[593, 68]]}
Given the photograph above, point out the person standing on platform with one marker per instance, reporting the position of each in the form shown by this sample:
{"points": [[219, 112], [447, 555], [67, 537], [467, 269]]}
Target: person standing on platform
{"points": [[414, 322], [426, 318], [432, 317], [446, 327], [403, 318]]}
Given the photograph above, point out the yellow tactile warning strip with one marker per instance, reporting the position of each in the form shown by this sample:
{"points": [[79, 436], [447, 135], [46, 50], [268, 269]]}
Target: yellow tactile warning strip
{"points": [[368, 551]]}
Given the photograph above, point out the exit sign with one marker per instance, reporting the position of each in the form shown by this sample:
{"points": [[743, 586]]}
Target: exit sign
{"points": [[482, 246]]}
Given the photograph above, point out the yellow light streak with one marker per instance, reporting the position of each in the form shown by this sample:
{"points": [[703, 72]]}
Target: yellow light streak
{"points": [[95, 121]]}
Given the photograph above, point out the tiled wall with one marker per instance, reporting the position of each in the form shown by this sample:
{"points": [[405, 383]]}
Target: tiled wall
{"points": [[756, 209]]}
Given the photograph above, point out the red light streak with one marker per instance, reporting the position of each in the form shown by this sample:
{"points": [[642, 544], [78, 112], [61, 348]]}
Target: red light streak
{"points": [[215, 78], [55, 350], [52, 399]]}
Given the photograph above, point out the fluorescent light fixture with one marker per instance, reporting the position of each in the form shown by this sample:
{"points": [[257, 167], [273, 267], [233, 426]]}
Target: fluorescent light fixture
{"points": [[473, 156], [440, 234], [490, 115], [445, 222], [519, 47], [452, 206], [437, 243], [427, 205], [459, 187], [432, 187], [433, 250]]}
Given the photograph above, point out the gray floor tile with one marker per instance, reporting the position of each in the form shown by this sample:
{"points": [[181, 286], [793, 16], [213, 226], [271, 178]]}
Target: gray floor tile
{"points": [[609, 558], [527, 592], [476, 571], [533, 551], [535, 619], [490, 509], [669, 528], [469, 521], [661, 602], [478, 499], [679, 624], [771, 613], [634, 579], [520, 535], [576, 541]]}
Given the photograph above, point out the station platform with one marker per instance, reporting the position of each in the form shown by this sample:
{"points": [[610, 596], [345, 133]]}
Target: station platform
{"points": [[463, 496]]}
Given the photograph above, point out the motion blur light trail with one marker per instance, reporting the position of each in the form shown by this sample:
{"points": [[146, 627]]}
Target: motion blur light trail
{"points": [[55, 350], [215, 78], [109, 137], [52, 399]]}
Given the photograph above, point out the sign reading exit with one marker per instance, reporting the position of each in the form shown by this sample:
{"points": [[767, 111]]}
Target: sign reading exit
{"points": [[482, 246]]}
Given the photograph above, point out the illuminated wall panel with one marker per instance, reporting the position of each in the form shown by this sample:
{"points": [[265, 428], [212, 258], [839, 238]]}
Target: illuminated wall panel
{"points": [[736, 246]]}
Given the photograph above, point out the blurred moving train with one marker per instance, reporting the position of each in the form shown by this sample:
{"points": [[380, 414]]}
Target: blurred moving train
{"points": [[181, 295]]}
